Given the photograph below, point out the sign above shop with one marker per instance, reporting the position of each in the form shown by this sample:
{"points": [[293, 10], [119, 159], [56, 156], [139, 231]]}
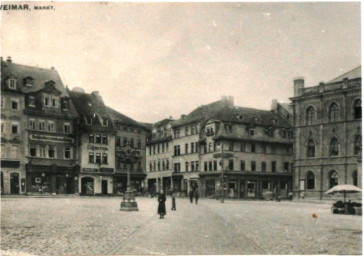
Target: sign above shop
{"points": [[51, 138], [92, 147]]}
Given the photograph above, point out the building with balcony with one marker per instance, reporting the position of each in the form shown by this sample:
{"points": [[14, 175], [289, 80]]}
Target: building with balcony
{"points": [[328, 139], [159, 157], [47, 128], [96, 143], [129, 131]]}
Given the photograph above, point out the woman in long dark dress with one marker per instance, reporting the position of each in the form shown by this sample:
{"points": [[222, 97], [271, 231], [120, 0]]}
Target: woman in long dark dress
{"points": [[162, 205]]}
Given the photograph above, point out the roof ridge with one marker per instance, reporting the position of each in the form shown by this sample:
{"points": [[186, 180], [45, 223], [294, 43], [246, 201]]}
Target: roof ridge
{"points": [[351, 70], [29, 66]]}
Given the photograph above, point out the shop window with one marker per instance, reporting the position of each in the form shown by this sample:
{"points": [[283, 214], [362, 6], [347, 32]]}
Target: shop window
{"points": [[310, 115], [98, 158], [91, 157], [357, 145], [104, 158], [357, 109], [67, 152], [51, 152], [333, 112], [333, 179], [311, 148], [334, 147], [310, 180]]}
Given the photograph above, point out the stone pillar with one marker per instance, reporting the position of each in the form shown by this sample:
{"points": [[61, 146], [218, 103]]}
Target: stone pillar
{"points": [[157, 187]]}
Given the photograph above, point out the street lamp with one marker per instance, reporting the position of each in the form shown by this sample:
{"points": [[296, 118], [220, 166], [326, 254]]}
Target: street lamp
{"points": [[129, 157]]}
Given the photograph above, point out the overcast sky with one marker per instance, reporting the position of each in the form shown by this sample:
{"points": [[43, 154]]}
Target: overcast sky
{"points": [[150, 61]]}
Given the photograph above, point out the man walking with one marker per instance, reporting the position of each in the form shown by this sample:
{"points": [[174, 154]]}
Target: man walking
{"points": [[191, 196], [196, 196]]}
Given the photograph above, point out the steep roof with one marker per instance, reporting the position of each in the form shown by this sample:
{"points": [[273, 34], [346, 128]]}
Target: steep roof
{"points": [[352, 74], [162, 123], [118, 117], [88, 104], [222, 111]]}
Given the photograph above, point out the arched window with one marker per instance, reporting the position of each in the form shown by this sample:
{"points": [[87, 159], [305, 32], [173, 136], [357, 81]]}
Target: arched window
{"points": [[310, 115], [310, 180], [334, 147], [355, 178], [357, 145], [333, 112], [357, 109], [333, 179], [311, 148]]}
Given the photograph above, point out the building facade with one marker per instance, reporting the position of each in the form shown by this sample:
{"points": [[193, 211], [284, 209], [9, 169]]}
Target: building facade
{"points": [[328, 139]]}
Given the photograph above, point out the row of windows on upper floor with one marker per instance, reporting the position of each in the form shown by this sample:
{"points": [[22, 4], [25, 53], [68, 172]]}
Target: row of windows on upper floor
{"points": [[212, 166], [160, 165], [48, 126], [158, 148], [334, 147], [232, 146], [49, 101], [49, 151], [98, 138], [161, 133], [128, 129], [188, 130], [131, 142], [97, 158], [332, 179], [137, 166], [333, 112], [14, 127]]}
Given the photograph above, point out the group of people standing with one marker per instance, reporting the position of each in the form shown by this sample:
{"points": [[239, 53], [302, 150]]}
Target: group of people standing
{"points": [[162, 201]]}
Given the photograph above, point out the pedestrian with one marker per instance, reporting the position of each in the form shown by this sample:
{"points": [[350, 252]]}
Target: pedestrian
{"points": [[191, 196], [196, 196], [173, 202], [162, 205]]}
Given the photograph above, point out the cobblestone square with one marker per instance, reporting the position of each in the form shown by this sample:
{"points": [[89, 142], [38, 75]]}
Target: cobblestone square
{"points": [[95, 226]]}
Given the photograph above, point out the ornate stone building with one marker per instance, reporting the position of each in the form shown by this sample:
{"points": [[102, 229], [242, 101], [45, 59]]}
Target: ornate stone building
{"points": [[328, 139]]}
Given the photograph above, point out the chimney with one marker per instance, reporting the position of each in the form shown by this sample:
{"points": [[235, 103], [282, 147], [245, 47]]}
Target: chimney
{"points": [[299, 83], [97, 95], [274, 106], [8, 59], [228, 100]]}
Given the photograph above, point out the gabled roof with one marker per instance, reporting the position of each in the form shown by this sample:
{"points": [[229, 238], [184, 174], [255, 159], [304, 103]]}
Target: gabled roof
{"points": [[222, 111], [352, 74], [88, 104], [162, 123], [118, 117]]}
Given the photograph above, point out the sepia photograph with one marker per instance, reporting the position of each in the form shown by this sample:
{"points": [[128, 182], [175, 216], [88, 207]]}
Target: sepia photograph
{"points": [[180, 128]]}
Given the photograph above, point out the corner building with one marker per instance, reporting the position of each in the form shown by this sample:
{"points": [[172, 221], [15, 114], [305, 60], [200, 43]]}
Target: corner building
{"points": [[328, 140]]}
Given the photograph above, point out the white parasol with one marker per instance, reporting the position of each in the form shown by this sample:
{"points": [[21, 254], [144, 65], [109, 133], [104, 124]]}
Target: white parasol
{"points": [[343, 189]]}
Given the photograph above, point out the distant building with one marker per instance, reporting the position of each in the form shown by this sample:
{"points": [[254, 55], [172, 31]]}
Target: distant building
{"points": [[328, 139], [97, 143], [159, 157]]}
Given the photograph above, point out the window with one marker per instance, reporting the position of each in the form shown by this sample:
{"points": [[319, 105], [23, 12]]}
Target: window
{"points": [[274, 166], [286, 167], [177, 167], [91, 157], [242, 147], [2, 127], [33, 150], [192, 130], [67, 128], [12, 84], [192, 147], [98, 158], [333, 112], [210, 166], [50, 126], [251, 132], [177, 150], [42, 151], [104, 158], [167, 164], [242, 165], [215, 165], [311, 148], [54, 102], [104, 122], [355, 178], [14, 104], [67, 152], [186, 130], [2, 102], [310, 115], [210, 146], [104, 139], [253, 147], [150, 167], [46, 101], [91, 138], [357, 145], [334, 147], [14, 128], [231, 164], [357, 109], [51, 151], [231, 146], [253, 166], [333, 179], [98, 138], [196, 147], [264, 166], [310, 180], [41, 125], [132, 143], [187, 165], [88, 120], [186, 148], [139, 145], [32, 124], [205, 166], [65, 104]]}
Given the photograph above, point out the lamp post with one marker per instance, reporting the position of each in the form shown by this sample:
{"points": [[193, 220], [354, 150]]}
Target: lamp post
{"points": [[129, 157]]}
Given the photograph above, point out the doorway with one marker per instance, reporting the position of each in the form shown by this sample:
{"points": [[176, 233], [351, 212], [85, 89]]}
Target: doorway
{"points": [[70, 185], [87, 186], [104, 187], [250, 186], [14, 183]]}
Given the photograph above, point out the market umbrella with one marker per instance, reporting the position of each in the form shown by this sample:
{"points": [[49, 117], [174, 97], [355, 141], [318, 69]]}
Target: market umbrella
{"points": [[343, 189]]}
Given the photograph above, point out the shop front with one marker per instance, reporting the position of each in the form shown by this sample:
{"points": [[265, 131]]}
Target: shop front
{"points": [[96, 181]]}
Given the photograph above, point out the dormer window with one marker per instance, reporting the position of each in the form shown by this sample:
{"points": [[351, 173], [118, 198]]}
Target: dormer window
{"points": [[31, 101], [65, 104], [88, 120], [257, 119], [28, 81], [104, 122], [47, 101], [12, 84], [240, 117]]}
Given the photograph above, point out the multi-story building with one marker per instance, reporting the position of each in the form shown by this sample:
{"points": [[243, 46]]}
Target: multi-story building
{"points": [[12, 131], [328, 140], [96, 144], [159, 157], [134, 133], [48, 126]]}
